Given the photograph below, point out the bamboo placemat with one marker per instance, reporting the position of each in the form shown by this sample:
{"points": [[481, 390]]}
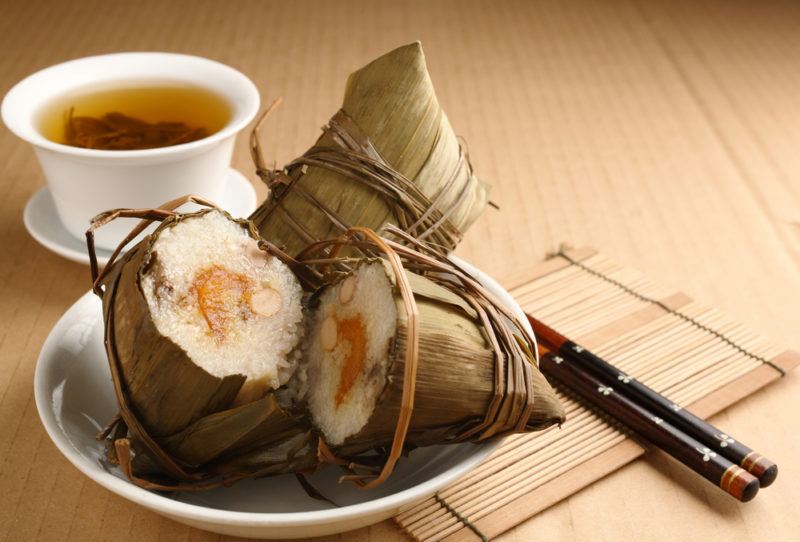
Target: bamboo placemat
{"points": [[693, 354]]}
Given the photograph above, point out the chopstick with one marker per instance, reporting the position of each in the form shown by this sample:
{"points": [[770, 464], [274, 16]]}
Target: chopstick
{"points": [[718, 441], [689, 439], [733, 479]]}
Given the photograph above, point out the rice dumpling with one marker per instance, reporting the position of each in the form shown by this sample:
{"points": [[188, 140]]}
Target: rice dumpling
{"points": [[389, 156], [405, 349], [354, 359], [202, 325]]}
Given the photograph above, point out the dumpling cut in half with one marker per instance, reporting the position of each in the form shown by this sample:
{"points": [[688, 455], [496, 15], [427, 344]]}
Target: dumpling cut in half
{"points": [[233, 308]]}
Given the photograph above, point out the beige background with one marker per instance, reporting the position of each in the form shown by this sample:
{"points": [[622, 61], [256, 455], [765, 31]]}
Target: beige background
{"points": [[666, 134]]}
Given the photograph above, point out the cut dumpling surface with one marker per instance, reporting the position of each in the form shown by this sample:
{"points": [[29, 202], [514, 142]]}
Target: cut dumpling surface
{"points": [[347, 351], [231, 306]]}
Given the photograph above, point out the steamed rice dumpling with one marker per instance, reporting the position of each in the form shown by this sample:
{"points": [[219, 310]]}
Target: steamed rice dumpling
{"points": [[354, 363], [388, 156], [202, 325]]}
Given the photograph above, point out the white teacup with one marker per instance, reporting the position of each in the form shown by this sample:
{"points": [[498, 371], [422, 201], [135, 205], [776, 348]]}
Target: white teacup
{"points": [[85, 182]]}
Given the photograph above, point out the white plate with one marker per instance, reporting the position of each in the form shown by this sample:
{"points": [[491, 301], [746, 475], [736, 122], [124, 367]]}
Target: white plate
{"points": [[75, 399], [42, 222]]}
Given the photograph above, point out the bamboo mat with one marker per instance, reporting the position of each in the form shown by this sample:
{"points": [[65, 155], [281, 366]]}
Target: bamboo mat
{"points": [[692, 353]]}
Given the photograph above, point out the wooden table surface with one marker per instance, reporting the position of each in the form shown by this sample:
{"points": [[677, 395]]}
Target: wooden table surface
{"points": [[666, 134]]}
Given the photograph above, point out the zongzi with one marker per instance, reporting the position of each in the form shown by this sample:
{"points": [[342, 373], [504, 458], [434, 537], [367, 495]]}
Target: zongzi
{"points": [[355, 365], [202, 325], [388, 156]]}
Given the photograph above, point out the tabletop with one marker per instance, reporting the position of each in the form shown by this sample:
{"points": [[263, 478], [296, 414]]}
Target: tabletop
{"points": [[663, 133]]}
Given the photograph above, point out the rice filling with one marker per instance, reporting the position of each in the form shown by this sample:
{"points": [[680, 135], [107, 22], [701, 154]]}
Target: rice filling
{"points": [[347, 351], [232, 307]]}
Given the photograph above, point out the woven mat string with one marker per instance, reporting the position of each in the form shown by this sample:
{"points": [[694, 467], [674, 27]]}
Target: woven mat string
{"points": [[563, 254]]}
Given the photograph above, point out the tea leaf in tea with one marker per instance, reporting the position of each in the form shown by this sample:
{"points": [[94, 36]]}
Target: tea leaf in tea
{"points": [[116, 131]]}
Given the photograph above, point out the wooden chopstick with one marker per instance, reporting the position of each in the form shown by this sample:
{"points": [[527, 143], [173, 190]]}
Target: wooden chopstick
{"points": [[733, 479], [716, 440]]}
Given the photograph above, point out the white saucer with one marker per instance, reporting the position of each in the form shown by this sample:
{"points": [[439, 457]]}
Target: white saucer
{"points": [[75, 398], [43, 224]]}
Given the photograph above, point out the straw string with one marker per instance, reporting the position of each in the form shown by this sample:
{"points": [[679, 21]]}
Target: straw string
{"points": [[353, 156]]}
